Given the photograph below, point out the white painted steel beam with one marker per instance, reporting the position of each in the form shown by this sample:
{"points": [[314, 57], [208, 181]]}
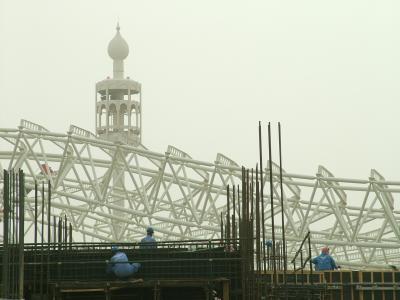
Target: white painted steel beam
{"points": [[182, 198]]}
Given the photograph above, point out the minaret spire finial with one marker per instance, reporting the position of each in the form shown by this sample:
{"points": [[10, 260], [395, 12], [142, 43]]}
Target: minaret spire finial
{"points": [[118, 50]]}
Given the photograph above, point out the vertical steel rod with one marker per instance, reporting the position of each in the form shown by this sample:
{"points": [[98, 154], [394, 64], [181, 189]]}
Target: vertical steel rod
{"points": [[272, 203], [54, 232], [282, 207], [228, 219], [41, 247], [49, 213], [258, 256], [21, 193], [262, 196], [238, 203], [59, 233], [302, 266], [35, 239], [257, 220], [70, 236], [13, 234], [234, 215], [6, 215], [222, 228], [48, 234], [16, 245], [310, 256], [242, 234], [65, 231]]}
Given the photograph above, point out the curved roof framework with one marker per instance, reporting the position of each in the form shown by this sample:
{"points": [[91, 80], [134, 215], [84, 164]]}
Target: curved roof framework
{"points": [[182, 198]]}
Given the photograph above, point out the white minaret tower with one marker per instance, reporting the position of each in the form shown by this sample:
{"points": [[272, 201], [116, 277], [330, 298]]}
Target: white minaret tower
{"points": [[118, 119], [118, 100]]}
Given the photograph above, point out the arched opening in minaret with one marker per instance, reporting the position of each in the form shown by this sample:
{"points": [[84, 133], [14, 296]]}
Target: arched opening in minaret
{"points": [[112, 117], [123, 111], [102, 116], [133, 116]]}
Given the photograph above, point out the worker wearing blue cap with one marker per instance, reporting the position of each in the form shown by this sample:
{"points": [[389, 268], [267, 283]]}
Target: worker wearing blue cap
{"points": [[119, 265], [148, 241]]}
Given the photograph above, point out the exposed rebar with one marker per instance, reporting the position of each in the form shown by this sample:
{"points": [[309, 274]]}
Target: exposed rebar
{"points": [[272, 203], [282, 207]]}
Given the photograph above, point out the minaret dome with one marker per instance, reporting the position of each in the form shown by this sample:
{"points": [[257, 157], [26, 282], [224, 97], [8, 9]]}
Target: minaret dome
{"points": [[118, 48]]}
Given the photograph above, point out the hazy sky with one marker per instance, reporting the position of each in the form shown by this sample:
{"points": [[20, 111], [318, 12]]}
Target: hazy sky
{"points": [[210, 70]]}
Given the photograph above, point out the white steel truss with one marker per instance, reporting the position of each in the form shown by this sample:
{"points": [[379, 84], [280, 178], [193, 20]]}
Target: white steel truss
{"points": [[183, 198]]}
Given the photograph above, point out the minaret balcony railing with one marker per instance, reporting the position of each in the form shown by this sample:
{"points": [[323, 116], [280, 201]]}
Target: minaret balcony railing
{"points": [[118, 101], [116, 128], [130, 105]]}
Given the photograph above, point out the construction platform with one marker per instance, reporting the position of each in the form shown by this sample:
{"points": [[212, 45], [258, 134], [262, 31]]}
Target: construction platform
{"points": [[336, 285], [183, 270], [196, 288], [174, 270]]}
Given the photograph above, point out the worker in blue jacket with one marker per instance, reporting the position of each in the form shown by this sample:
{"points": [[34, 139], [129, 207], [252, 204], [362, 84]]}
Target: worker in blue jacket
{"points": [[148, 241], [324, 262], [119, 265]]}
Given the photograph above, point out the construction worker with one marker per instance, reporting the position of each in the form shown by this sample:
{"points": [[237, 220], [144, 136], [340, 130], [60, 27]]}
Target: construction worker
{"points": [[324, 262], [268, 243], [119, 265], [148, 241]]}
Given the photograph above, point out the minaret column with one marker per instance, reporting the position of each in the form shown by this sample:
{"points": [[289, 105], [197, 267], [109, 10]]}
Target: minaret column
{"points": [[120, 96], [118, 69]]}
